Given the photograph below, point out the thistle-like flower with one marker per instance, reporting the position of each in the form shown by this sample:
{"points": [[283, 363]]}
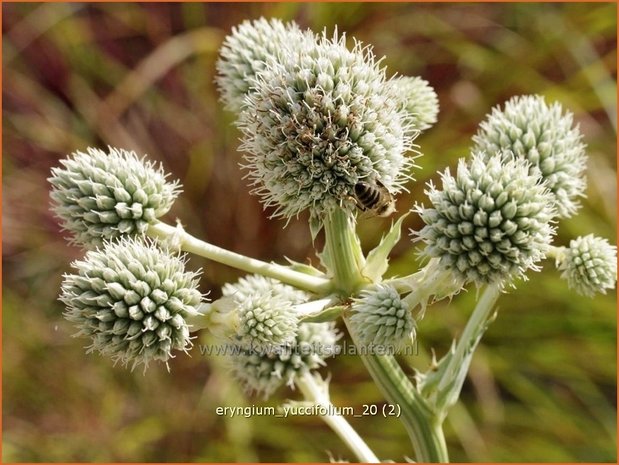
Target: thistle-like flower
{"points": [[132, 299], [320, 122], [246, 51], [263, 372], [100, 196], [418, 99], [589, 265], [266, 314], [382, 319], [491, 222], [547, 137]]}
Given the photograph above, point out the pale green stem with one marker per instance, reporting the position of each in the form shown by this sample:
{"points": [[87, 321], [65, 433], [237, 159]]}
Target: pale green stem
{"points": [[345, 260], [556, 252], [345, 257], [422, 425], [450, 384], [189, 243], [318, 395]]}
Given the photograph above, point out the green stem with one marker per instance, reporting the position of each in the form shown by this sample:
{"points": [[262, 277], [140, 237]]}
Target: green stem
{"points": [[189, 243], [458, 364], [344, 255], [423, 426], [318, 395]]}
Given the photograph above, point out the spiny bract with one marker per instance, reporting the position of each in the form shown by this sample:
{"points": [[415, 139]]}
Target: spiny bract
{"points": [[318, 123], [491, 222], [132, 299], [547, 138], [100, 196], [381, 318], [590, 265]]}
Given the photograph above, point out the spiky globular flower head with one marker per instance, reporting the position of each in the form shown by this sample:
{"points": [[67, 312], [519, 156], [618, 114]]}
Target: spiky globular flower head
{"points": [[246, 51], [589, 265], [100, 196], [547, 137], [320, 122], [266, 315], [132, 299], [491, 222], [382, 319], [263, 372], [418, 99]]}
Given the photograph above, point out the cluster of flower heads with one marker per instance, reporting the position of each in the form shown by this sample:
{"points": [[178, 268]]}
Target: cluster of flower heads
{"points": [[100, 196], [132, 299], [260, 358], [318, 118]]}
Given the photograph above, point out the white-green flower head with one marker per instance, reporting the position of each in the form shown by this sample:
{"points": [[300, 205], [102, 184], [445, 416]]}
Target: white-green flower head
{"points": [[265, 307], [418, 99], [132, 299], [100, 196], [255, 284], [547, 137], [589, 265], [320, 122], [489, 223], [263, 372], [245, 52], [381, 318]]}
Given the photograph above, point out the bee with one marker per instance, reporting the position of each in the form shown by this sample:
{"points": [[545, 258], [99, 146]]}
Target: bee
{"points": [[374, 198]]}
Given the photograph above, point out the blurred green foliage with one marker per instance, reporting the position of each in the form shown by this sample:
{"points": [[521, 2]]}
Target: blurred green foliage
{"points": [[140, 76]]}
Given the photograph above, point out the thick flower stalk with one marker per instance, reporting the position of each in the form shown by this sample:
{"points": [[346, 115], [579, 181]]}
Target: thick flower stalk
{"points": [[489, 223], [589, 265], [132, 300], [263, 372], [382, 320], [246, 51], [546, 136], [418, 99], [266, 315], [101, 196], [318, 123]]}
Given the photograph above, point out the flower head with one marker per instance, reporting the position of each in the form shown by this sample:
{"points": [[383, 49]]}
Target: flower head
{"points": [[263, 372], [547, 138], [246, 51], [589, 265], [491, 222], [381, 318], [100, 196], [318, 123], [266, 314], [132, 299], [418, 99]]}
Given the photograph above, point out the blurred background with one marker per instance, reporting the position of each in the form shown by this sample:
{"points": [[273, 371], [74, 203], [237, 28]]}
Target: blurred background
{"points": [[140, 76]]}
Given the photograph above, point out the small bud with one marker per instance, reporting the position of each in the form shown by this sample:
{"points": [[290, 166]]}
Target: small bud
{"points": [[99, 196], [545, 136], [418, 99], [589, 265], [381, 318], [109, 301]]}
